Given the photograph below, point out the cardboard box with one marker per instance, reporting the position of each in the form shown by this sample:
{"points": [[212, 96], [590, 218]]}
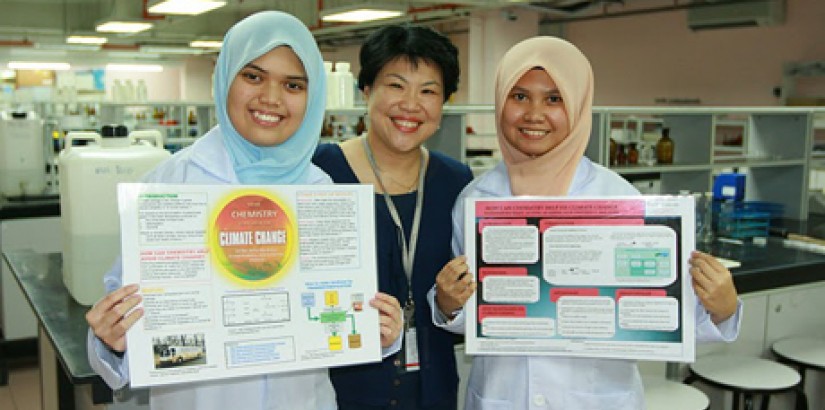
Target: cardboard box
{"points": [[29, 78]]}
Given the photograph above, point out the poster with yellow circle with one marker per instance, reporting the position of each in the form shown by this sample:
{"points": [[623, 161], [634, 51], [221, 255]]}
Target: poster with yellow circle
{"points": [[252, 237]]}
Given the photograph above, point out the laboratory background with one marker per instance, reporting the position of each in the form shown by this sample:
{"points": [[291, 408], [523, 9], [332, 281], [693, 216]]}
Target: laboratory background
{"points": [[723, 100]]}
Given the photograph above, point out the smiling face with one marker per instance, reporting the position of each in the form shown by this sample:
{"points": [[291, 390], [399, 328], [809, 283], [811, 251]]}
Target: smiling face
{"points": [[534, 120], [268, 98], [404, 104]]}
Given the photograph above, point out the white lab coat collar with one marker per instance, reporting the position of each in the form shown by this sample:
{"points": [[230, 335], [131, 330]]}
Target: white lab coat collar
{"points": [[496, 180], [209, 154]]}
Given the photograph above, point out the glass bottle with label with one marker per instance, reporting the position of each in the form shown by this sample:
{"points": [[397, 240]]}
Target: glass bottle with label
{"points": [[647, 153], [664, 148]]}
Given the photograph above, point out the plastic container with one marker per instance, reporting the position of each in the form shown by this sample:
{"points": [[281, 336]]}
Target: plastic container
{"points": [[332, 86], [141, 91], [345, 83], [729, 186], [747, 219], [22, 154], [117, 91], [129, 91], [744, 224], [88, 201]]}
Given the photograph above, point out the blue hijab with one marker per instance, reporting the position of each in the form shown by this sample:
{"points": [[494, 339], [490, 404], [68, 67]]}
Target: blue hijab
{"points": [[247, 40]]}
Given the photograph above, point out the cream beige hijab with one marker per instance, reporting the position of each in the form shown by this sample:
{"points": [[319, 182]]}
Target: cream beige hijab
{"points": [[551, 173]]}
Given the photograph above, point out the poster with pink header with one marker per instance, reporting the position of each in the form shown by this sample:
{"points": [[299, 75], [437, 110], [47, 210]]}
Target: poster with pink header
{"points": [[581, 277]]}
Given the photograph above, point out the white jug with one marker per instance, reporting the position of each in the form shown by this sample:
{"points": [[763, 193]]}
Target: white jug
{"points": [[22, 155], [88, 201]]}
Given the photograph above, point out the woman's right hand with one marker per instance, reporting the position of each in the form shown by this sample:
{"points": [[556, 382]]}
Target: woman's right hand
{"points": [[109, 320], [454, 285]]}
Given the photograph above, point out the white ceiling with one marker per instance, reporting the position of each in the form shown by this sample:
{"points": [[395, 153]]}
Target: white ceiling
{"points": [[36, 29], [40, 26]]}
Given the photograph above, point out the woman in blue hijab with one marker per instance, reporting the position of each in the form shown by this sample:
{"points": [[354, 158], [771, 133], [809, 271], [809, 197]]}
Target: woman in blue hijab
{"points": [[270, 92]]}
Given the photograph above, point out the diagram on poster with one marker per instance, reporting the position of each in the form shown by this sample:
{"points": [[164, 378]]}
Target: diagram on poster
{"points": [[587, 277], [240, 281]]}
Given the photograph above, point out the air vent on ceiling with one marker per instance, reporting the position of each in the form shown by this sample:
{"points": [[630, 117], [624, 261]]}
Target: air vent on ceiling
{"points": [[737, 14]]}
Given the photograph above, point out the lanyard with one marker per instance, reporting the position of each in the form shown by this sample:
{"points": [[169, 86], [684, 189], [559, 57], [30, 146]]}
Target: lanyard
{"points": [[407, 251]]}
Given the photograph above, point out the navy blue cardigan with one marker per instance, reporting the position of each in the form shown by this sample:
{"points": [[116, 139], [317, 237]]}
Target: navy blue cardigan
{"points": [[371, 384]]}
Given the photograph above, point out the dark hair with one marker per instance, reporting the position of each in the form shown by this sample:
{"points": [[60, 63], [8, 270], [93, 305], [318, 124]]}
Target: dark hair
{"points": [[415, 43]]}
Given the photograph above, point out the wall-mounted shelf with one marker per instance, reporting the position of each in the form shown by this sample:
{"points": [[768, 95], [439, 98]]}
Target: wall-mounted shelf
{"points": [[771, 145]]}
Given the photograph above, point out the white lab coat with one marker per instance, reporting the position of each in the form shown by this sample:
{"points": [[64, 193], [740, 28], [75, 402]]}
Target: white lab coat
{"points": [[557, 383], [207, 162]]}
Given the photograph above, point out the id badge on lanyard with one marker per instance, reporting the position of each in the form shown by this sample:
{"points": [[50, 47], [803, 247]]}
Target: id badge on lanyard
{"points": [[409, 354]]}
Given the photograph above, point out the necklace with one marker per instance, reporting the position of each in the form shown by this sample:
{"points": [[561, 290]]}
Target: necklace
{"points": [[382, 176], [407, 188]]}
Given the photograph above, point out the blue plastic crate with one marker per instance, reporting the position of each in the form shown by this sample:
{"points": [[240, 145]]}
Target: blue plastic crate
{"points": [[743, 224], [774, 210]]}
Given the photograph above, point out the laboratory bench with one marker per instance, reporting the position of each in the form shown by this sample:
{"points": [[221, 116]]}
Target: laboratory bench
{"points": [[63, 326], [25, 223], [769, 267], [29, 207], [67, 379]]}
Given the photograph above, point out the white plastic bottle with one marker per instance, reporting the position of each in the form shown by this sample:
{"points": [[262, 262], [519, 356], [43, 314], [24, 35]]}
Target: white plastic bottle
{"points": [[129, 91], [141, 91], [117, 90], [332, 86], [88, 201], [345, 84]]}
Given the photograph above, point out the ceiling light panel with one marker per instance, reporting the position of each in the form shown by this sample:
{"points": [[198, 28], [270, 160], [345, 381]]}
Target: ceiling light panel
{"points": [[188, 7], [206, 44], [358, 13], [123, 27], [86, 40], [32, 65]]}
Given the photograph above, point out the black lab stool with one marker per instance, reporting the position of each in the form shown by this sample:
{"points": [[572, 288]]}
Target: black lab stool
{"points": [[663, 394], [746, 377], [803, 354]]}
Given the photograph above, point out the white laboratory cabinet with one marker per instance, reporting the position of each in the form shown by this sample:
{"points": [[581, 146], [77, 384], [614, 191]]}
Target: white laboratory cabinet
{"points": [[41, 235]]}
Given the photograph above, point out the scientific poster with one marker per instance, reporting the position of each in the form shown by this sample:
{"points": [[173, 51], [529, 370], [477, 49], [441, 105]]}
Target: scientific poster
{"points": [[241, 281], [585, 277]]}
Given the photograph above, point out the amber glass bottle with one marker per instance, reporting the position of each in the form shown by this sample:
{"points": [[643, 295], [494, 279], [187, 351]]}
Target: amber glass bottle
{"points": [[361, 126], [613, 151], [664, 148], [632, 154], [621, 155], [327, 130]]}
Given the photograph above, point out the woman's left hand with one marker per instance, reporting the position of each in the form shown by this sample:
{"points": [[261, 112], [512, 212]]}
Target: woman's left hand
{"points": [[390, 317], [713, 284]]}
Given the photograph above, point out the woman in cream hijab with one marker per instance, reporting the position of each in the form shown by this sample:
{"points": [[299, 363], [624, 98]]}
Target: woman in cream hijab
{"points": [[544, 97]]}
